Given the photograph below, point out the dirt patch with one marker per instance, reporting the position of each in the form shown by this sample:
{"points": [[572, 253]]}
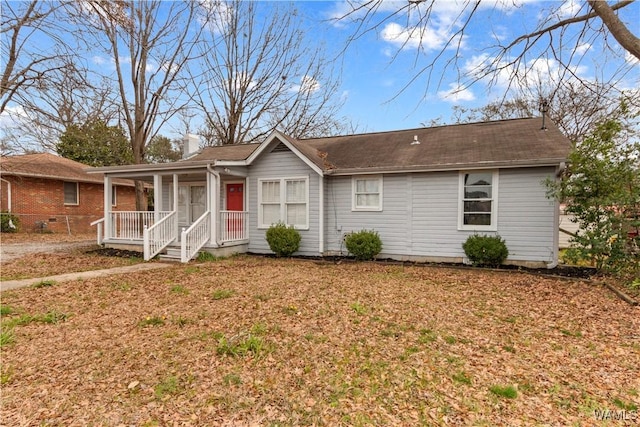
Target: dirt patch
{"points": [[111, 252]]}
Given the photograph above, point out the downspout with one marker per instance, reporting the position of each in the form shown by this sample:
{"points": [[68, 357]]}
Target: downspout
{"points": [[214, 205], [321, 215]]}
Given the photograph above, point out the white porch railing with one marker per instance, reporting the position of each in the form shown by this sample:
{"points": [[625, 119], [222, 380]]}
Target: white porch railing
{"points": [[100, 224], [233, 226], [194, 237], [130, 224], [159, 235]]}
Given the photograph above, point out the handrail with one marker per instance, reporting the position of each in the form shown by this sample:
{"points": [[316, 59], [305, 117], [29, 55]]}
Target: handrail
{"points": [[194, 237], [159, 235], [100, 224]]}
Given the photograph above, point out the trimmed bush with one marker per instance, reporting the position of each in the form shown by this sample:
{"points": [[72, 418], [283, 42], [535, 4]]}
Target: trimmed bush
{"points": [[485, 250], [364, 244], [283, 240], [6, 220]]}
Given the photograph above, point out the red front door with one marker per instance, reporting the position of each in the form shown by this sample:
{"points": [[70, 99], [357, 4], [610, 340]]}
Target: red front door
{"points": [[235, 197], [235, 202]]}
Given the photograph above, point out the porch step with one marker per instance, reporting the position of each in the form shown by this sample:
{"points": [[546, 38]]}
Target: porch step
{"points": [[171, 254]]}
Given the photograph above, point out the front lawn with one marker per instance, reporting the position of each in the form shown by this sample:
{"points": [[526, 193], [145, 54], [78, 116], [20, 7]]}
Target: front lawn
{"points": [[262, 341]]}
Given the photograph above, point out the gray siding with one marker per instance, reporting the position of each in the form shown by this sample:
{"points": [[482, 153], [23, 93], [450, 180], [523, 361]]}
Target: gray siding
{"points": [[420, 215], [283, 164]]}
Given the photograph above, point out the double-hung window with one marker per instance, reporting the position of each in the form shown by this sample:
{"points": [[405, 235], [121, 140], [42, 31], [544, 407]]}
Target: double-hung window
{"points": [[284, 200], [367, 193], [478, 200], [70, 193]]}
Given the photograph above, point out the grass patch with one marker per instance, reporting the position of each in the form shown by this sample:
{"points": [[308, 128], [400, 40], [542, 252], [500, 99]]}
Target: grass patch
{"points": [[624, 405], [167, 387], [44, 284], [508, 392], [232, 379], [6, 336], [461, 377], [179, 289], [222, 294], [6, 310], [242, 345], [359, 308], [427, 336], [50, 317], [207, 257], [152, 321]]}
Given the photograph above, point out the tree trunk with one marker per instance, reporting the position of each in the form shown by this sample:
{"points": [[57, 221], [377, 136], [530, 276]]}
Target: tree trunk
{"points": [[617, 29]]}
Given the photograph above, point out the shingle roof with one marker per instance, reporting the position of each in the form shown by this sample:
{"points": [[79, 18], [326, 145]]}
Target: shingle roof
{"points": [[224, 152], [498, 143], [50, 166], [516, 142]]}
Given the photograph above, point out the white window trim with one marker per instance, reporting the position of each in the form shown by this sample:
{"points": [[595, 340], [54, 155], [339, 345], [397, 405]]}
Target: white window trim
{"points": [[354, 206], [283, 203], [494, 201], [77, 194], [114, 195]]}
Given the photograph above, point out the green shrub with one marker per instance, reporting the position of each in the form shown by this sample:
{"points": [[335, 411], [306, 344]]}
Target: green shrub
{"points": [[363, 244], [283, 240], [485, 250], [6, 222]]}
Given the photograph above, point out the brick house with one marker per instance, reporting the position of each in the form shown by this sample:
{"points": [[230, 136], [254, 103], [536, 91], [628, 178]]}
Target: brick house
{"points": [[51, 193]]}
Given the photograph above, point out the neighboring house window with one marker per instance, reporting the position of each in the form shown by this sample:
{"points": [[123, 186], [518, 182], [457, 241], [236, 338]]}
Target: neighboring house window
{"points": [[113, 196], [367, 193], [478, 200], [70, 193], [284, 200]]}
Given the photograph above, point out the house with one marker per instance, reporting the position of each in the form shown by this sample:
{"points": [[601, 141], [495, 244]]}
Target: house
{"points": [[425, 191], [51, 193]]}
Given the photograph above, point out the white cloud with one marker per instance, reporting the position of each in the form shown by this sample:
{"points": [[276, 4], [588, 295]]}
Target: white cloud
{"points": [[568, 9], [99, 60], [583, 48], [12, 117], [456, 93], [307, 84], [630, 59], [425, 38]]}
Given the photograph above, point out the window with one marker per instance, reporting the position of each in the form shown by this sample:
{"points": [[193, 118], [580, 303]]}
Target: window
{"points": [[367, 193], [70, 193], [478, 195], [284, 200], [113, 195]]}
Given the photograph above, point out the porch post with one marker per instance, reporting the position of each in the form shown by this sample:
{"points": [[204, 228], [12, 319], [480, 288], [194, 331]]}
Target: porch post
{"points": [[108, 196], [157, 197], [175, 200], [213, 186]]}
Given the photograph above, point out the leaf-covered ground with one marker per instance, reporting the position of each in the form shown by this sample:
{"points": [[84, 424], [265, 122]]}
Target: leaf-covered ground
{"points": [[261, 341], [50, 264]]}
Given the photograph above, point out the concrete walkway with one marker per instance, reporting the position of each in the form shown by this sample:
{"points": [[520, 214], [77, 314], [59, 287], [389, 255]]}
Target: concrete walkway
{"points": [[15, 284]]}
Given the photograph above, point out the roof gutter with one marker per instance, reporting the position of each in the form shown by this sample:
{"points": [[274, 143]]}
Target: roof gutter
{"points": [[446, 167]]}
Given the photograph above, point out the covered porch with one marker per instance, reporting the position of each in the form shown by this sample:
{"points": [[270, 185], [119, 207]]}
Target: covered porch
{"points": [[195, 207]]}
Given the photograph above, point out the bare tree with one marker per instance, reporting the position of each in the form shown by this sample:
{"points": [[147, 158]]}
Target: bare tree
{"points": [[575, 111], [149, 44], [31, 46], [259, 73], [593, 21], [70, 95]]}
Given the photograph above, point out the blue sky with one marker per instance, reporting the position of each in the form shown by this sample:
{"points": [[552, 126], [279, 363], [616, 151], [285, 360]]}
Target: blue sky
{"points": [[376, 68]]}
